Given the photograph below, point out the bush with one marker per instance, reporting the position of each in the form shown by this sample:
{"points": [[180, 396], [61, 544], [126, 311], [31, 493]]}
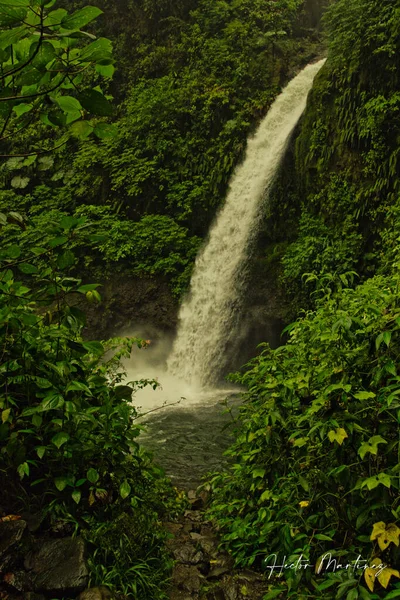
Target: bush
{"points": [[319, 446], [68, 435]]}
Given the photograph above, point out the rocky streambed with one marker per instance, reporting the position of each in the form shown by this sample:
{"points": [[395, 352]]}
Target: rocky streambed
{"points": [[202, 571]]}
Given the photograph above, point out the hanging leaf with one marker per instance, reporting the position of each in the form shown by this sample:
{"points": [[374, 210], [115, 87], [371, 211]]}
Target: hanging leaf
{"points": [[40, 451], [61, 483], [19, 183], [5, 414], [100, 50], [66, 259], [12, 36], [81, 129], [76, 496], [373, 482], [106, 71], [385, 534], [92, 475], [11, 16], [69, 104], [23, 470], [60, 438], [125, 490], [27, 268], [21, 109], [105, 131], [364, 395], [338, 435], [371, 446]]}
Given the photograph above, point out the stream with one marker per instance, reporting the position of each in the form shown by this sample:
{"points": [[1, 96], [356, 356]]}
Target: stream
{"points": [[188, 441]]}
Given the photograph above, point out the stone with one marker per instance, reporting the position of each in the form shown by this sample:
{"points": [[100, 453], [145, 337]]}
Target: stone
{"points": [[198, 501], [217, 572], [19, 580], [100, 592], [173, 528], [58, 565], [33, 596], [231, 591], [209, 547], [11, 533], [187, 578], [188, 554]]}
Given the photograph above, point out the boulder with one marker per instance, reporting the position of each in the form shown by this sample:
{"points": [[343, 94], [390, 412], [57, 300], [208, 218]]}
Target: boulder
{"points": [[100, 592], [58, 565], [11, 533]]}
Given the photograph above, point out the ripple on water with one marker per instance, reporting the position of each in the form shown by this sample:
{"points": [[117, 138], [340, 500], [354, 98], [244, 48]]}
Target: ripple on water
{"points": [[189, 441]]}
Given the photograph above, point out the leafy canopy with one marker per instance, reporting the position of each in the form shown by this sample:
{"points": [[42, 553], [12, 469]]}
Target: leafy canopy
{"points": [[45, 59]]}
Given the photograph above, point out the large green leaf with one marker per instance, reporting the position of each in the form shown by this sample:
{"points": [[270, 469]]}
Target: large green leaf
{"points": [[371, 446], [95, 103], [100, 50], [12, 36], [11, 16], [60, 439], [81, 17], [68, 104], [81, 129], [55, 17], [66, 259], [45, 54], [105, 131]]}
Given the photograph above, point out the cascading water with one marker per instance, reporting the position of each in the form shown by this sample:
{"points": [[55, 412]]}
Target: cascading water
{"points": [[207, 316]]}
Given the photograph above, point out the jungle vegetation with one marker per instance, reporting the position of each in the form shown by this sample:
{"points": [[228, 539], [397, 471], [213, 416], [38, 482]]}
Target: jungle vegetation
{"points": [[119, 132]]}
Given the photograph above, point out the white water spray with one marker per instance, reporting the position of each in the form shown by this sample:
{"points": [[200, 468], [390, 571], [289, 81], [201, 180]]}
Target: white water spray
{"points": [[207, 316]]}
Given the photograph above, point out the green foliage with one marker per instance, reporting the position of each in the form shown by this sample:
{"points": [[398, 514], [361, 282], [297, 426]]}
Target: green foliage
{"points": [[68, 434], [345, 172], [318, 452], [128, 557], [154, 246], [45, 56], [319, 251]]}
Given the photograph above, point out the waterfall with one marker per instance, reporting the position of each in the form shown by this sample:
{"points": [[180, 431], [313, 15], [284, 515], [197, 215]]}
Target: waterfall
{"points": [[209, 312]]}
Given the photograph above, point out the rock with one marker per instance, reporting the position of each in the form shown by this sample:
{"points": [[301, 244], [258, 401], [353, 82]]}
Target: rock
{"points": [[19, 580], [193, 515], [11, 533], [198, 501], [33, 596], [187, 578], [209, 547], [188, 554], [187, 527], [173, 528], [230, 589], [58, 565], [217, 572], [100, 592]]}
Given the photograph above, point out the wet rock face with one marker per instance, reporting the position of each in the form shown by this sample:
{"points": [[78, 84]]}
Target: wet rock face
{"points": [[128, 301], [58, 565], [55, 567]]}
